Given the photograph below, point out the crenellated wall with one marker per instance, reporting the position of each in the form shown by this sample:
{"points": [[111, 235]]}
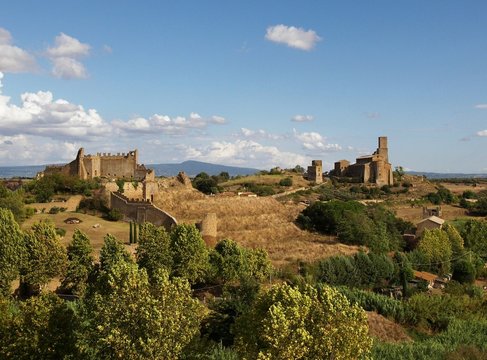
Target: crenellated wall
{"points": [[141, 211]]}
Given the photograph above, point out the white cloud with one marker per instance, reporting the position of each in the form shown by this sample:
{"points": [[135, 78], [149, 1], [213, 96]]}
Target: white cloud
{"points": [[107, 49], [258, 134], [68, 68], [65, 57], [297, 38], [482, 133], [248, 152], [302, 118], [166, 125], [39, 114], [12, 58], [315, 142], [67, 46], [24, 150], [215, 119], [480, 106]]}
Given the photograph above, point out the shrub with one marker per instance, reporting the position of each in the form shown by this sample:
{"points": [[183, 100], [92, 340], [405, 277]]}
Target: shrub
{"points": [[286, 182], [114, 215]]}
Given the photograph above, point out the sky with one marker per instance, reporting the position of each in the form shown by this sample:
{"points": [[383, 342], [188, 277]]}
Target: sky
{"points": [[246, 83]]}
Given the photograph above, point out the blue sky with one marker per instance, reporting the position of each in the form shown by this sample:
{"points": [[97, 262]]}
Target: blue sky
{"points": [[254, 83]]}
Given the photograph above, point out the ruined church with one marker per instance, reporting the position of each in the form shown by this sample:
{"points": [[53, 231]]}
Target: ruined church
{"points": [[373, 169]]}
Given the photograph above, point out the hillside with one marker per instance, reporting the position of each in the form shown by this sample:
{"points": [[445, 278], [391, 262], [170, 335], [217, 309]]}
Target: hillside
{"points": [[192, 168], [261, 222]]}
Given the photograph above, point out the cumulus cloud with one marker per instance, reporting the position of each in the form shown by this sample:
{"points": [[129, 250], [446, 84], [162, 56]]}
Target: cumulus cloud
{"points": [[39, 114], [248, 152], [302, 118], [297, 38], [14, 59], [166, 125], [260, 133], [480, 106], [482, 133], [315, 142], [65, 57], [24, 150]]}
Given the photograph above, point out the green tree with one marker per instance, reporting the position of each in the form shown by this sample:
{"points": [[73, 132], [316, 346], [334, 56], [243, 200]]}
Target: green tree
{"points": [[232, 262], [45, 257], [137, 319], [11, 250], [42, 327], [189, 253], [286, 323], [464, 271], [14, 201], [474, 233], [436, 247], [112, 253], [455, 239], [80, 264], [154, 252]]}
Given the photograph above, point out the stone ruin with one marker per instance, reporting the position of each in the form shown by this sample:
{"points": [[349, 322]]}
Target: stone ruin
{"points": [[374, 168], [315, 172]]}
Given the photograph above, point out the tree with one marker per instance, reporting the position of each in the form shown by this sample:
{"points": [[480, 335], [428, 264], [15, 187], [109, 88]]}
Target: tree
{"points": [[232, 262], [11, 250], [288, 323], [464, 271], [80, 264], [189, 253], [399, 172], [436, 247], [42, 327], [134, 319], [153, 252], [45, 257], [113, 252], [474, 233], [456, 240], [206, 184], [14, 201]]}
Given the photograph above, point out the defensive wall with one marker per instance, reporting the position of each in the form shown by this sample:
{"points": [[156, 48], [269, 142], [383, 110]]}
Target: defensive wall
{"points": [[141, 211]]}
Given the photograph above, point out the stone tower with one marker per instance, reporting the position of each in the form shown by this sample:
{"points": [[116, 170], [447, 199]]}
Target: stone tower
{"points": [[382, 150], [315, 171]]}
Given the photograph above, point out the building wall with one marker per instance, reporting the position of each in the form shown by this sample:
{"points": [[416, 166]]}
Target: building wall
{"points": [[141, 211], [426, 225]]}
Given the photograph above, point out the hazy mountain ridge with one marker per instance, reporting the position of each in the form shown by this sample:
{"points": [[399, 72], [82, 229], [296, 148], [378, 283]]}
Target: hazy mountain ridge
{"points": [[433, 175], [191, 168]]}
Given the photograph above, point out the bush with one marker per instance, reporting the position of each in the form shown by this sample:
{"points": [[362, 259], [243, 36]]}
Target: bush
{"points": [[60, 231], [114, 215], [286, 182]]}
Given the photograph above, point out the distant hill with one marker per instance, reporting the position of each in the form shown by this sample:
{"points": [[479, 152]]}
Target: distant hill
{"points": [[192, 168], [432, 175], [7, 172]]}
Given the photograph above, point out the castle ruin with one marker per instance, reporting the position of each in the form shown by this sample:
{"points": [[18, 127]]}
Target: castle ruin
{"points": [[315, 171], [374, 169], [119, 166]]}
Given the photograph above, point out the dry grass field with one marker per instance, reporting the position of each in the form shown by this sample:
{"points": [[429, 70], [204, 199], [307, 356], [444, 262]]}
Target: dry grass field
{"points": [[298, 181], [260, 222], [96, 234], [385, 329], [415, 214]]}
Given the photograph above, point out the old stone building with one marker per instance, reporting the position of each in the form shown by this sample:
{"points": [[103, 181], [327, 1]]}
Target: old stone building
{"points": [[374, 168], [315, 171], [119, 166]]}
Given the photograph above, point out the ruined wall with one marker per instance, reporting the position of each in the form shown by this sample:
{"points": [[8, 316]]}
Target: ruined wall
{"points": [[141, 211]]}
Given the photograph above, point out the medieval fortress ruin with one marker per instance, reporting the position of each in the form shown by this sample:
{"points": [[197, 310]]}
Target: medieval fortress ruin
{"points": [[368, 169]]}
